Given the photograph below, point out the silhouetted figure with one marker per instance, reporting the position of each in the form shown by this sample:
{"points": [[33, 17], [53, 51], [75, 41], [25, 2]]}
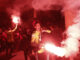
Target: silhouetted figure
{"points": [[10, 41], [27, 49]]}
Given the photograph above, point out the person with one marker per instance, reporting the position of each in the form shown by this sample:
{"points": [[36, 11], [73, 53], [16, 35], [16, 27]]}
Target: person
{"points": [[36, 38], [2, 40], [36, 35], [27, 38], [10, 41]]}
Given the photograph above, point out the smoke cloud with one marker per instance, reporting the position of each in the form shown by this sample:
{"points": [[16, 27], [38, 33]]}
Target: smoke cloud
{"points": [[45, 4], [21, 5], [73, 37], [18, 5], [50, 4], [71, 4]]}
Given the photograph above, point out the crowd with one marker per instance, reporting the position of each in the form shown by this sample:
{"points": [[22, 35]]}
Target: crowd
{"points": [[14, 40], [19, 37]]}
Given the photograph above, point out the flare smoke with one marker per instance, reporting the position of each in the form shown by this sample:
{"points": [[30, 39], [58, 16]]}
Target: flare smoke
{"points": [[73, 36]]}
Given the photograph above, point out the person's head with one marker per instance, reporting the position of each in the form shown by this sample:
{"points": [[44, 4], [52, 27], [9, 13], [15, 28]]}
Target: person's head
{"points": [[37, 26]]}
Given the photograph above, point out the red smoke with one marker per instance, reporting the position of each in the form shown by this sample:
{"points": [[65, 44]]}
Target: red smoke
{"points": [[44, 4], [71, 43], [50, 4]]}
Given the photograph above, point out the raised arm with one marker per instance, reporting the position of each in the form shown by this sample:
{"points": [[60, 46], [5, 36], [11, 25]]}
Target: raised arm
{"points": [[13, 29], [48, 31]]}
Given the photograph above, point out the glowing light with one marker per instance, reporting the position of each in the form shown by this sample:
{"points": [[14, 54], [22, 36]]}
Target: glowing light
{"points": [[54, 49], [71, 43], [41, 50], [15, 19]]}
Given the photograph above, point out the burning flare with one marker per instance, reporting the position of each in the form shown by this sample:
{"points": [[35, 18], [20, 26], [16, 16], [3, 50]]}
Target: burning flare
{"points": [[15, 19], [71, 43], [59, 51]]}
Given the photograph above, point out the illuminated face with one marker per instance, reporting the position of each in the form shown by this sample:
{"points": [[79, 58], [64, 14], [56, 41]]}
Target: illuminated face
{"points": [[37, 27]]}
